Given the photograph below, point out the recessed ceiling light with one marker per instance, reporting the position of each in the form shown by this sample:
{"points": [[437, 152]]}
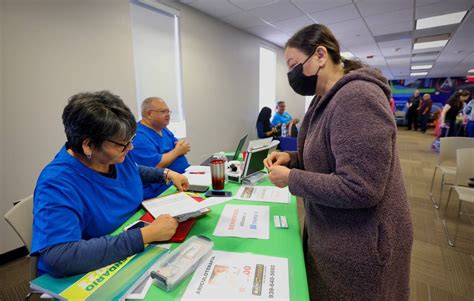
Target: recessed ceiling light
{"points": [[421, 67], [441, 20], [347, 55], [433, 44], [418, 73]]}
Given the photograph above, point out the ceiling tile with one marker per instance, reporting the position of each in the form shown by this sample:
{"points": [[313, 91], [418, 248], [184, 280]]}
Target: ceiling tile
{"points": [[216, 8], [251, 4], [375, 7], [378, 30], [442, 8], [397, 47], [424, 58], [335, 15], [291, 26], [426, 2], [262, 30], [278, 38], [311, 6], [366, 49], [392, 17], [243, 20], [349, 29], [277, 12]]}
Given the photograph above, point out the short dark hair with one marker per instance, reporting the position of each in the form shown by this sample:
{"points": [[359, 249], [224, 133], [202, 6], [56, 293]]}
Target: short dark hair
{"points": [[98, 116], [280, 103]]}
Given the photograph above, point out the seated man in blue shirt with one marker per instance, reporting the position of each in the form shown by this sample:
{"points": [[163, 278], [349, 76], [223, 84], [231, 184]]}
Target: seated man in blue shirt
{"points": [[282, 117], [156, 146]]}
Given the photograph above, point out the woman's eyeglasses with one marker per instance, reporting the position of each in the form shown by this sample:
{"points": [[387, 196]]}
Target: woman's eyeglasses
{"points": [[121, 144]]}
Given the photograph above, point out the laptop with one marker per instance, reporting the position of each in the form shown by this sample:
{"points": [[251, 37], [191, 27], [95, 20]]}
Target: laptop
{"points": [[260, 143], [236, 154]]}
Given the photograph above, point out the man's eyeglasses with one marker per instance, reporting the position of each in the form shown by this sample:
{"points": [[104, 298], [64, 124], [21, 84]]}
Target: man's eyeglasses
{"points": [[121, 144], [163, 111]]}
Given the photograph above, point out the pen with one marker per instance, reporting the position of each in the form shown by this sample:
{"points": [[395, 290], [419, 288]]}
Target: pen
{"points": [[197, 172]]}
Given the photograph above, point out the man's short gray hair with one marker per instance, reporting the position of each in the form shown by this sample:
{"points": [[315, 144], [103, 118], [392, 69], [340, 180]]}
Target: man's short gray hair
{"points": [[146, 104]]}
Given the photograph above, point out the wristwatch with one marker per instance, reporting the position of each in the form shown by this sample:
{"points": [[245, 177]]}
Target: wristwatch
{"points": [[166, 176]]}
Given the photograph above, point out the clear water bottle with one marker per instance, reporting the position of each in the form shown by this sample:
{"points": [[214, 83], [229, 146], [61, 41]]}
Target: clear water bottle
{"points": [[283, 130]]}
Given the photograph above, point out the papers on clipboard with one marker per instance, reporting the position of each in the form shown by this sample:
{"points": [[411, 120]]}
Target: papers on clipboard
{"points": [[264, 194], [239, 276], [244, 221]]}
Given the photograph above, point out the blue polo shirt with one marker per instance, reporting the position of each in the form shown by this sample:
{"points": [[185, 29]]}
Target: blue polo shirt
{"points": [[148, 150], [281, 118], [73, 202]]}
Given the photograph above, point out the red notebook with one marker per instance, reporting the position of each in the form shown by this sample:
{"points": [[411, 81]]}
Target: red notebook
{"points": [[181, 232]]}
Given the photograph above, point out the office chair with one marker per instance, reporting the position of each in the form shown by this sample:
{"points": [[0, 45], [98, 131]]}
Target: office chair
{"points": [[20, 218]]}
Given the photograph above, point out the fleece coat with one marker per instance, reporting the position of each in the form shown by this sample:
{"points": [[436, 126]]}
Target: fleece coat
{"points": [[358, 229]]}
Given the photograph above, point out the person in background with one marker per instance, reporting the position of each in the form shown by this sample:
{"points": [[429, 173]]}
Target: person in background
{"points": [[451, 111], [392, 104], [284, 118], [358, 232], [469, 112], [156, 146], [424, 111], [264, 126], [91, 188], [412, 117]]}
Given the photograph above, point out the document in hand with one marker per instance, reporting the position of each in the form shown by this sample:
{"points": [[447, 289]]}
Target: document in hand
{"points": [[239, 276], [174, 204], [244, 221], [264, 194]]}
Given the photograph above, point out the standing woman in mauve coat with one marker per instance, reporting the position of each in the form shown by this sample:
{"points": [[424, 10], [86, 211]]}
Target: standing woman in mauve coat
{"points": [[358, 233]]}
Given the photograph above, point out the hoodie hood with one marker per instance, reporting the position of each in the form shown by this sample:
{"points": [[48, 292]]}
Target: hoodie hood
{"points": [[368, 74]]}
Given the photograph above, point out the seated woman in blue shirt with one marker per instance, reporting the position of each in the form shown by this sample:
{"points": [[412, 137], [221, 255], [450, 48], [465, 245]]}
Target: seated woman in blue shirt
{"points": [[91, 188], [264, 126]]}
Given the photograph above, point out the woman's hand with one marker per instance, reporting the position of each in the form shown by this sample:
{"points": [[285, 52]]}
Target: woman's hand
{"points": [[162, 229], [279, 175], [276, 158], [180, 182]]}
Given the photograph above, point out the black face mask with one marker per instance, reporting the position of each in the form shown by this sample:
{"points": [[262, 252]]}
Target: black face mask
{"points": [[302, 84]]}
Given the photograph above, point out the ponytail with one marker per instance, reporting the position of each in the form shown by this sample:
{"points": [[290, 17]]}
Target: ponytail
{"points": [[351, 65]]}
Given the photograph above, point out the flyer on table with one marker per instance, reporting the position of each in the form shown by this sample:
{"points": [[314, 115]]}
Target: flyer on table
{"points": [[244, 221], [239, 276], [264, 194]]}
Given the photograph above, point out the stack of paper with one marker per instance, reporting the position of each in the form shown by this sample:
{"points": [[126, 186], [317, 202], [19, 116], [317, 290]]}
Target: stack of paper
{"points": [[179, 204], [198, 175]]}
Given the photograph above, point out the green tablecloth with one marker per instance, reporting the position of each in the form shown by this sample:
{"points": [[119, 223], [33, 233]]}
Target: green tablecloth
{"points": [[282, 243]]}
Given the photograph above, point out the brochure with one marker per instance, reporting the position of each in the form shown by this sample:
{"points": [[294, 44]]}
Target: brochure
{"points": [[239, 276]]}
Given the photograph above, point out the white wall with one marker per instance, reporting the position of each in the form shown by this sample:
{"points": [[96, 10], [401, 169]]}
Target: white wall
{"points": [[220, 76], [52, 49]]}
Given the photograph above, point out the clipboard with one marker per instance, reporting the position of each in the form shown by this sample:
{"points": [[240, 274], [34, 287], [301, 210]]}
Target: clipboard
{"points": [[181, 232]]}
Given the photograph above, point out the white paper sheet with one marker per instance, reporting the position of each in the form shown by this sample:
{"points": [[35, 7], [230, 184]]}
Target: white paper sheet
{"points": [[212, 201], [198, 168], [264, 194], [199, 175], [173, 204], [239, 276], [244, 221]]}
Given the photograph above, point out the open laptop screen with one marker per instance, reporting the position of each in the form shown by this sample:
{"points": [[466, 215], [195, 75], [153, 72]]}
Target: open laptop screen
{"points": [[239, 147]]}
